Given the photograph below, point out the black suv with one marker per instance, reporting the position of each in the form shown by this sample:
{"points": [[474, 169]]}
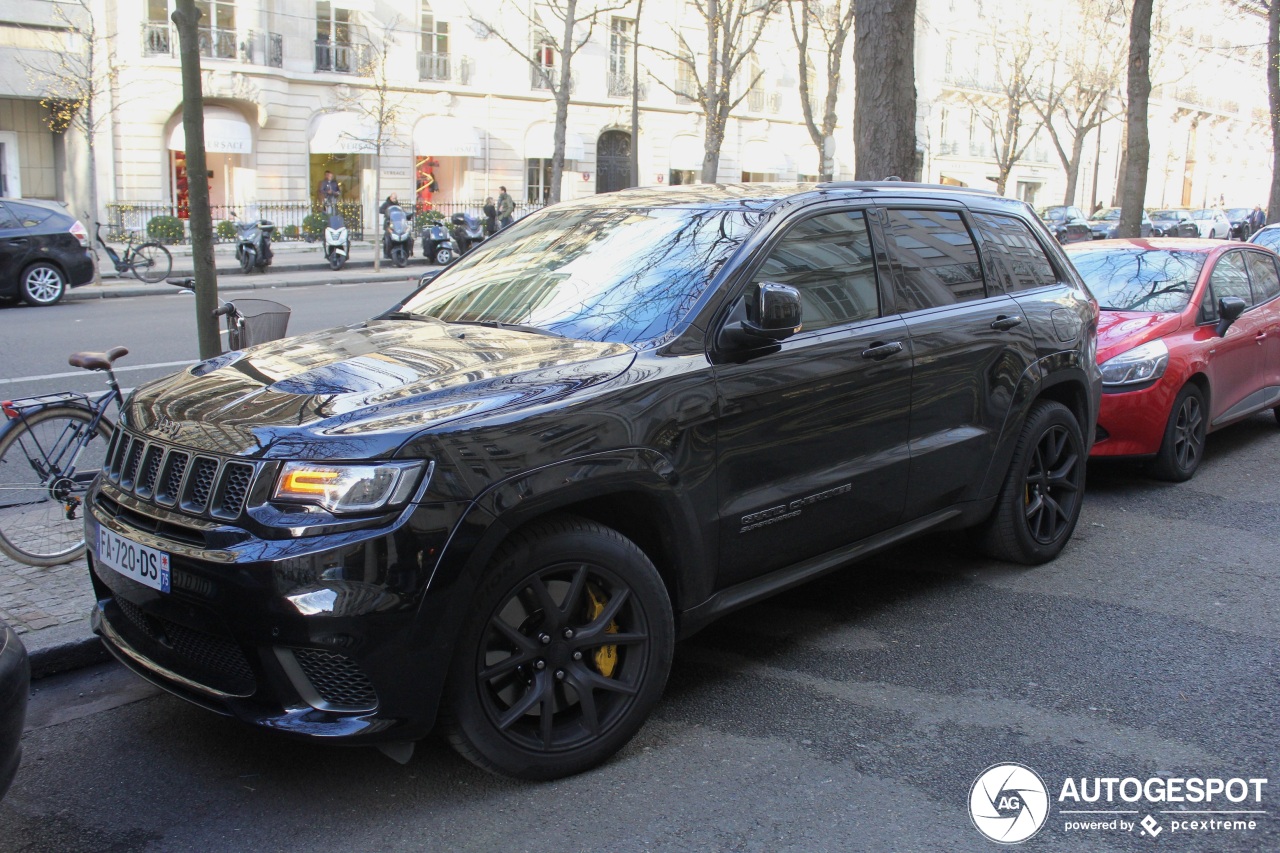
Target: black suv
{"points": [[43, 251], [501, 502]]}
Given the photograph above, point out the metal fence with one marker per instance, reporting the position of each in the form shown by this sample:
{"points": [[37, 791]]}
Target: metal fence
{"points": [[169, 223], [422, 211]]}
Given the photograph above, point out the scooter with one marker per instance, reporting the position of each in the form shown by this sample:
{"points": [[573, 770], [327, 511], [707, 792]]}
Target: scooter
{"points": [[437, 246], [337, 245], [253, 245], [467, 231], [397, 237]]}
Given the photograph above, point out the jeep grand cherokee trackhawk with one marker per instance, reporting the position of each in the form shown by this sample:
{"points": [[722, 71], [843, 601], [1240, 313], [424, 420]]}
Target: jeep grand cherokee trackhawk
{"points": [[499, 504]]}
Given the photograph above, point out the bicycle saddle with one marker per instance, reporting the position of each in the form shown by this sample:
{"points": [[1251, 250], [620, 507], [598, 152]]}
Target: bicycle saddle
{"points": [[97, 360]]}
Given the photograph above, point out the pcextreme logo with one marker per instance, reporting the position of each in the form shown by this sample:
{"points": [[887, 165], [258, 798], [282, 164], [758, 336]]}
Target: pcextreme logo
{"points": [[1009, 803]]}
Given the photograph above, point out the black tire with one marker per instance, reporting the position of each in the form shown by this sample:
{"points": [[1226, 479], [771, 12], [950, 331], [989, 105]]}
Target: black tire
{"points": [[443, 255], [398, 256], [34, 485], [1182, 448], [42, 284], [246, 261], [335, 261], [533, 642], [151, 263], [1039, 504]]}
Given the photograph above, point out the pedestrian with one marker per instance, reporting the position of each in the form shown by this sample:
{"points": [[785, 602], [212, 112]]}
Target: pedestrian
{"points": [[506, 208], [490, 217], [329, 192], [1257, 219]]}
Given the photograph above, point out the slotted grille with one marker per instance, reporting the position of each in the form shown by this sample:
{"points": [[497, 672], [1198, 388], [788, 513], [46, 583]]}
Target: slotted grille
{"points": [[150, 468], [172, 477], [235, 488], [337, 679], [200, 484], [131, 462], [172, 482]]}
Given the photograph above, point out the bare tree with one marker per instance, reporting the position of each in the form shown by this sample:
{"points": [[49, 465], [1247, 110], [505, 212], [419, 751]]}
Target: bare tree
{"points": [[1137, 141], [1073, 91], [884, 111], [733, 29], [833, 23], [77, 76], [576, 21], [380, 106]]}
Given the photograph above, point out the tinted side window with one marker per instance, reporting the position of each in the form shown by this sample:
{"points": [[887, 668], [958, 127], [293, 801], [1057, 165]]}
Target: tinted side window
{"points": [[1011, 256], [1262, 277], [1229, 279], [936, 256], [28, 214], [6, 218], [828, 259]]}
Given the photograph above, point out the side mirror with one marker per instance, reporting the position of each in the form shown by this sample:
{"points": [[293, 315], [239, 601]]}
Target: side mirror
{"points": [[767, 313], [1229, 309]]}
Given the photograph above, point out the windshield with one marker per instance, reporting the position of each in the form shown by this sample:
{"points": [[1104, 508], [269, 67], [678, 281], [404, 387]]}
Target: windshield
{"points": [[1238, 212], [1111, 214], [1140, 279], [1204, 214], [618, 276], [1167, 214], [1053, 213], [1269, 237]]}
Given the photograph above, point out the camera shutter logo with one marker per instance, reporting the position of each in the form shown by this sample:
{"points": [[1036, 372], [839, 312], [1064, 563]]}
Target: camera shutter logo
{"points": [[1008, 803]]}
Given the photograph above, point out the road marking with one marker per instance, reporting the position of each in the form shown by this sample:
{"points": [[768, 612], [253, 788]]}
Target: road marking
{"points": [[155, 366]]}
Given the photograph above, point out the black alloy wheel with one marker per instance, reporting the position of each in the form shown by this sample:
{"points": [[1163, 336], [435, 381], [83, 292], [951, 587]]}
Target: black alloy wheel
{"points": [[567, 649], [1182, 449], [1040, 502]]}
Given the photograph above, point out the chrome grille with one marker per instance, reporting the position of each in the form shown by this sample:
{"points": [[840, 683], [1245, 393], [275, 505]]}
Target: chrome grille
{"points": [[195, 484], [337, 679]]}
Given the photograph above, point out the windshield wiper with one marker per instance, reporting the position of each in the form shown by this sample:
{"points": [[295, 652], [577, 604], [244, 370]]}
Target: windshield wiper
{"points": [[515, 327], [409, 315]]}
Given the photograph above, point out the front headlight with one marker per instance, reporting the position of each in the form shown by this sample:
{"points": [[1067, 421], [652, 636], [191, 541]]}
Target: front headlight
{"points": [[1140, 364], [344, 488]]}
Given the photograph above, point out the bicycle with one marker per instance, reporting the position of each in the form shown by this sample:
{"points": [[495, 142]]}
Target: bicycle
{"points": [[51, 448], [149, 262]]}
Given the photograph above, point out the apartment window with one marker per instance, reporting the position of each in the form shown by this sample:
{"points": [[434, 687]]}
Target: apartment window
{"points": [[217, 32], [756, 96], [621, 32], [686, 81], [333, 38], [433, 57], [539, 180], [544, 57], [155, 32]]}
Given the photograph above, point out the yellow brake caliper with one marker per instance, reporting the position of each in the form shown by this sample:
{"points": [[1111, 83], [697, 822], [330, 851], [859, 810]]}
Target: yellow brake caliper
{"points": [[606, 657]]}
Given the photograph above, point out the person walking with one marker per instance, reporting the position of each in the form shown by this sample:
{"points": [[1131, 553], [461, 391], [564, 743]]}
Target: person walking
{"points": [[490, 217], [329, 192], [506, 208], [1257, 219]]}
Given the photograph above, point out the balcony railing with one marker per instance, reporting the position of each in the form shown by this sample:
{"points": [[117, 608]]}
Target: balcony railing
{"points": [[620, 86], [294, 220], [156, 40], [433, 66], [947, 149], [341, 58], [217, 43], [760, 101], [263, 48], [540, 76]]}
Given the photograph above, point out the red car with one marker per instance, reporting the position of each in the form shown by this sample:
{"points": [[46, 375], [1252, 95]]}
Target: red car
{"points": [[1188, 342]]}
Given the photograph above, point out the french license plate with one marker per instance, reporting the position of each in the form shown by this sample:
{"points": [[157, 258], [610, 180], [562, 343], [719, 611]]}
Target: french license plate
{"points": [[148, 566]]}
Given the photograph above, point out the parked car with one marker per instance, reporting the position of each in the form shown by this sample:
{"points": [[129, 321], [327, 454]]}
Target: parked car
{"points": [[1189, 342], [15, 677], [1104, 223], [1267, 235], [1241, 227], [1174, 222], [1066, 223], [1212, 223], [43, 251], [602, 428]]}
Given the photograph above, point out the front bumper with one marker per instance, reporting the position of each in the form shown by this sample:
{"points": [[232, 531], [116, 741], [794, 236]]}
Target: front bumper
{"points": [[1132, 423], [322, 637]]}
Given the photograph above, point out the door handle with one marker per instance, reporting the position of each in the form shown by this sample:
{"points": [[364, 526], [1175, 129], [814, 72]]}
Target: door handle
{"points": [[879, 352], [1004, 322], [19, 241]]}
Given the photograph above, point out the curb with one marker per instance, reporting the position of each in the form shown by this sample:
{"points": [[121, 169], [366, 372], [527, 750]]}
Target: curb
{"points": [[66, 656]]}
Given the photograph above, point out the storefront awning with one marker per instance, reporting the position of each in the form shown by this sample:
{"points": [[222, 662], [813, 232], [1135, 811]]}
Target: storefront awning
{"points": [[341, 133], [686, 153], [446, 136], [225, 132], [539, 143], [764, 158]]}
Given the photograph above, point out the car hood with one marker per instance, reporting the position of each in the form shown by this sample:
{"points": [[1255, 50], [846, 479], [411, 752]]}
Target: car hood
{"points": [[361, 391], [1121, 331]]}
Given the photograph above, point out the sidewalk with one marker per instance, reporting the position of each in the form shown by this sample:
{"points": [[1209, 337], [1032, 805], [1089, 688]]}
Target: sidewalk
{"points": [[48, 607]]}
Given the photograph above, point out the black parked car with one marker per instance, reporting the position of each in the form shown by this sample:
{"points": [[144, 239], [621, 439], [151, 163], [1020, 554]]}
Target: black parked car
{"points": [[1105, 222], [1241, 227], [1066, 223], [15, 676], [43, 251], [1174, 222], [620, 418]]}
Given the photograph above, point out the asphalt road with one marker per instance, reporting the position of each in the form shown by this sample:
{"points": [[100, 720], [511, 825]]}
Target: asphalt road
{"points": [[158, 330], [851, 714]]}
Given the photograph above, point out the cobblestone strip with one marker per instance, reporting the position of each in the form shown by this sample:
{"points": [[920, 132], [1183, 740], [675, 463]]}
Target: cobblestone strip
{"points": [[33, 598]]}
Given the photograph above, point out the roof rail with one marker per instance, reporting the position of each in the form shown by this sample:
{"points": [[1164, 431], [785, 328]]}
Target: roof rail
{"points": [[893, 182]]}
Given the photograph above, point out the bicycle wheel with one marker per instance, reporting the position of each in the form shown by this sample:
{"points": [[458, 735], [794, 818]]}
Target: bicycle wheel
{"points": [[151, 262], [46, 465]]}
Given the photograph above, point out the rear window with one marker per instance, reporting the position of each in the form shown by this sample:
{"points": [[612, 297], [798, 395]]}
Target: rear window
{"points": [[1011, 254], [1139, 279]]}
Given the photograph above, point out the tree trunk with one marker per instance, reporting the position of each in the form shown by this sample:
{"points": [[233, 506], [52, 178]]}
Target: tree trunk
{"points": [[200, 218], [1073, 169], [1137, 142], [1273, 92], [884, 113]]}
